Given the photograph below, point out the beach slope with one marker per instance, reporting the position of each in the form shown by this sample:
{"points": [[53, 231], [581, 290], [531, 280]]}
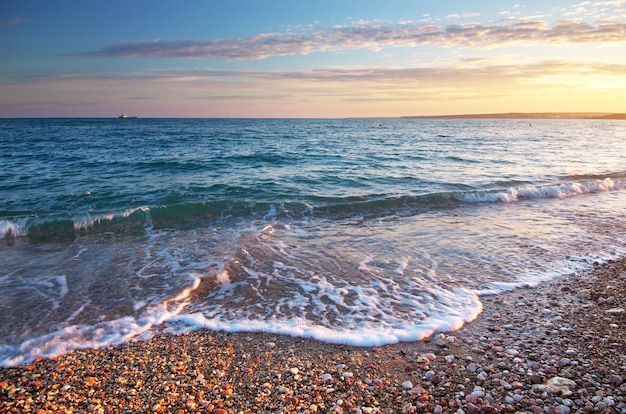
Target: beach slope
{"points": [[558, 348]]}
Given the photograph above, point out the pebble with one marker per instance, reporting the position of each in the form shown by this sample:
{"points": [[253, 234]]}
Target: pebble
{"points": [[440, 340], [430, 356], [471, 367]]}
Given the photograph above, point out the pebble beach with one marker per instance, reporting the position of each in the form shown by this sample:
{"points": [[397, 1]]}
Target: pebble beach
{"points": [[556, 348]]}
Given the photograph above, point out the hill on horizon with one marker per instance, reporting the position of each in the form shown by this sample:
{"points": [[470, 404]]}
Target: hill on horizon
{"points": [[532, 115]]}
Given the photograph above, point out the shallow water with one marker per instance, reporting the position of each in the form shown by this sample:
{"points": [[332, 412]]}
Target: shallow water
{"points": [[339, 230]]}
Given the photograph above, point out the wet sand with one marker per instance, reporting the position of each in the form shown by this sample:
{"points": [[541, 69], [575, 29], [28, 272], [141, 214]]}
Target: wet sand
{"points": [[557, 348]]}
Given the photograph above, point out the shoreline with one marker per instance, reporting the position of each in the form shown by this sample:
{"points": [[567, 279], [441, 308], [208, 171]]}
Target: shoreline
{"points": [[572, 328]]}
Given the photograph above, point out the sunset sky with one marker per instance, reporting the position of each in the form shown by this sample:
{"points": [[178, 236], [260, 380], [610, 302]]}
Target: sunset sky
{"points": [[323, 58]]}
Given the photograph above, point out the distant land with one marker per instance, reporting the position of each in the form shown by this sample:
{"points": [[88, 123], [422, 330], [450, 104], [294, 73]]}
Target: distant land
{"points": [[533, 115]]}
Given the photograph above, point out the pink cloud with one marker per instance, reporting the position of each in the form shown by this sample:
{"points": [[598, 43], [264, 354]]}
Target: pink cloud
{"points": [[367, 35]]}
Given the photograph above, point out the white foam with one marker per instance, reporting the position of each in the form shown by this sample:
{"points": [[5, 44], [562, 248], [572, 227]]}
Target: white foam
{"points": [[573, 265], [51, 288], [363, 264], [404, 263], [89, 220], [223, 278], [363, 334], [271, 212], [74, 337], [15, 228], [556, 191], [77, 312]]}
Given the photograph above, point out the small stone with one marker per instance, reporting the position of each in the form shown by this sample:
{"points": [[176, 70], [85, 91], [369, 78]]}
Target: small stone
{"points": [[294, 370], [472, 408], [422, 360], [616, 380], [417, 390], [479, 392], [430, 356], [471, 398], [407, 385], [556, 385], [327, 377]]}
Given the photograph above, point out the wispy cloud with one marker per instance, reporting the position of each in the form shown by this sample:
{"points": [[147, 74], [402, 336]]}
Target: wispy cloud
{"points": [[464, 71], [11, 22], [440, 87], [369, 35]]}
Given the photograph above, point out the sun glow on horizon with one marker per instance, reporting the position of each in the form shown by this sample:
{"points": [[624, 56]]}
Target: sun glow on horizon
{"points": [[434, 60]]}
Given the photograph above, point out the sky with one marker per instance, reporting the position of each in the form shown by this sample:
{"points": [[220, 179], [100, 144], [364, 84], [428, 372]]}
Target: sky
{"points": [[310, 59]]}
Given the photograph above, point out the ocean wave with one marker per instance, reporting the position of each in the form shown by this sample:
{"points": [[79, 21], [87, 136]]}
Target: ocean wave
{"points": [[67, 228], [230, 203], [561, 190]]}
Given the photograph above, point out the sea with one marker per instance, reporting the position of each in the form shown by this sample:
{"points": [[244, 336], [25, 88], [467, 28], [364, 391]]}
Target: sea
{"points": [[355, 231]]}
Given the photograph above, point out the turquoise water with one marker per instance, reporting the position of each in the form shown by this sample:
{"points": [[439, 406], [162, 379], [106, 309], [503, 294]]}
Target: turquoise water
{"points": [[355, 231]]}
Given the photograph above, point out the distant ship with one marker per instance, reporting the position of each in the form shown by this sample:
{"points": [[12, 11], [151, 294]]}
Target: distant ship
{"points": [[124, 116]]}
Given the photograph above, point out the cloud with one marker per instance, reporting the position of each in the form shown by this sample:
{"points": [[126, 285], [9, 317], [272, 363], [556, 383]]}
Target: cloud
{"points": [[440, 87], [11, 22], [466, 71], [369, 35]]}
